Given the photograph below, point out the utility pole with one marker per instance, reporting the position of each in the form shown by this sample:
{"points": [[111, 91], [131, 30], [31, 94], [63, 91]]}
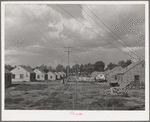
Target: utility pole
{"points": [[76, 86], [68, 51]]}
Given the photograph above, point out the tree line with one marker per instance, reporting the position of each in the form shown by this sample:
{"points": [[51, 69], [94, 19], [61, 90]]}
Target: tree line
{"points": [[84, 68]]}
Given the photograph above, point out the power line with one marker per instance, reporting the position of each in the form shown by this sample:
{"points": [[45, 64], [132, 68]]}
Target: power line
{"points": [[109, 30], [32, 23], [36, 27], [91, 30]]}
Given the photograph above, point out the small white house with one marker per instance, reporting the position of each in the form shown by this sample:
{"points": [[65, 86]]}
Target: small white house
{"points": [[40, 75], [61, 75], [22, 73], [51, 76], [57, 75]]}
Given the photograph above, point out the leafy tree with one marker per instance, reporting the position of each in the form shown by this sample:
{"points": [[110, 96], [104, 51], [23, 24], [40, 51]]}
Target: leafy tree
{"points": [[121, 63], [9, 67], [99, 66], [60, 68], [128, 62], [111, 66], [44, 68], [81, 68]]}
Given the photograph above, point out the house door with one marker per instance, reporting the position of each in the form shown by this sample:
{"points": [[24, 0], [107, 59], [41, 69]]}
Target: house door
{"points": [[137, 81], [46, 77]]}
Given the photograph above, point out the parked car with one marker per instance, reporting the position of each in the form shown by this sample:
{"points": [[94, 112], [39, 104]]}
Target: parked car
{"points": [[100, 78]]}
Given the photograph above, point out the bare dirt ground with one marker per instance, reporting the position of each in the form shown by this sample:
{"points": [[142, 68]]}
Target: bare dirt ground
{"points": [[58, 96]]}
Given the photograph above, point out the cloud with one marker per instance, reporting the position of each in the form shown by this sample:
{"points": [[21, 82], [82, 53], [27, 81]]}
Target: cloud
{"points": [[128, 49], [46, 31], [18, 52]]}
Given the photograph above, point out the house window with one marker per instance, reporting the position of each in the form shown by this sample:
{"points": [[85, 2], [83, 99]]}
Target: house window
{"points": [[50, 76], [38, 76], [115, 77], [26, 75], [21, 76], [13, 76]]}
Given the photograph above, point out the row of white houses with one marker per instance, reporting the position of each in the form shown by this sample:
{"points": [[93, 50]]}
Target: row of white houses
{"points": [[22, 73]]}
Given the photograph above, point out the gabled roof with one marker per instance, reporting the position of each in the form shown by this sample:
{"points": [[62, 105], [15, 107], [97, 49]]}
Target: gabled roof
{"points": [[56, 73], [105, 72], [132, 65], [41, 71], [60, 73], [50, 72], [7, 71], [27, 69], [63, 72], [114, 69]]}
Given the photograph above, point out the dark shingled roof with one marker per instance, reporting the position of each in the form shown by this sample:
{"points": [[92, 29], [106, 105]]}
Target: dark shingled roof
{"points": [[41, 71], [27, 69]]}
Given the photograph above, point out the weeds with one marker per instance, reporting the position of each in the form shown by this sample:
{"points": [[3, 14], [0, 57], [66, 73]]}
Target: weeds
{"points": [[27, 87], [13, 100]]}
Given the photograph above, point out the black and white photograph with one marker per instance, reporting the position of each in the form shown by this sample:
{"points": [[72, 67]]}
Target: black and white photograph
{"points": [[75, 57]]}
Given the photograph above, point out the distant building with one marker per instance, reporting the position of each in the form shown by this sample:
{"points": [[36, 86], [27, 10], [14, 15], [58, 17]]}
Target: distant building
{"points": [[132, 75], [40, 75], [51, 76], [98, 75], [94, 74], [57, 75], [22, 73], [7, 78], [61, 75]]}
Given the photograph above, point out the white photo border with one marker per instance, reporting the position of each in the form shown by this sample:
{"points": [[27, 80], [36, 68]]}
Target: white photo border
{"points": [[64, 115]]}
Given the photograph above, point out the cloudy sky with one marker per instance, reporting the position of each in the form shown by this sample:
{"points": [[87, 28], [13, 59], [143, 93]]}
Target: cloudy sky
{"points": [[36, 34]]}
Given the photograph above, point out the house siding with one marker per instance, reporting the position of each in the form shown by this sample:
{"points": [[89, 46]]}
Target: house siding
{"points": [[18, 71], [111, 76], [51, 76], [39, 75], [129, 76]]}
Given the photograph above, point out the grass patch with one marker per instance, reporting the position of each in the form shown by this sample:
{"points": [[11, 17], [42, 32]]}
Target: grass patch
{"points": [[13, 100], [53, 102], [108, 104], [135, 94], [114, 102], [27, 87]]}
